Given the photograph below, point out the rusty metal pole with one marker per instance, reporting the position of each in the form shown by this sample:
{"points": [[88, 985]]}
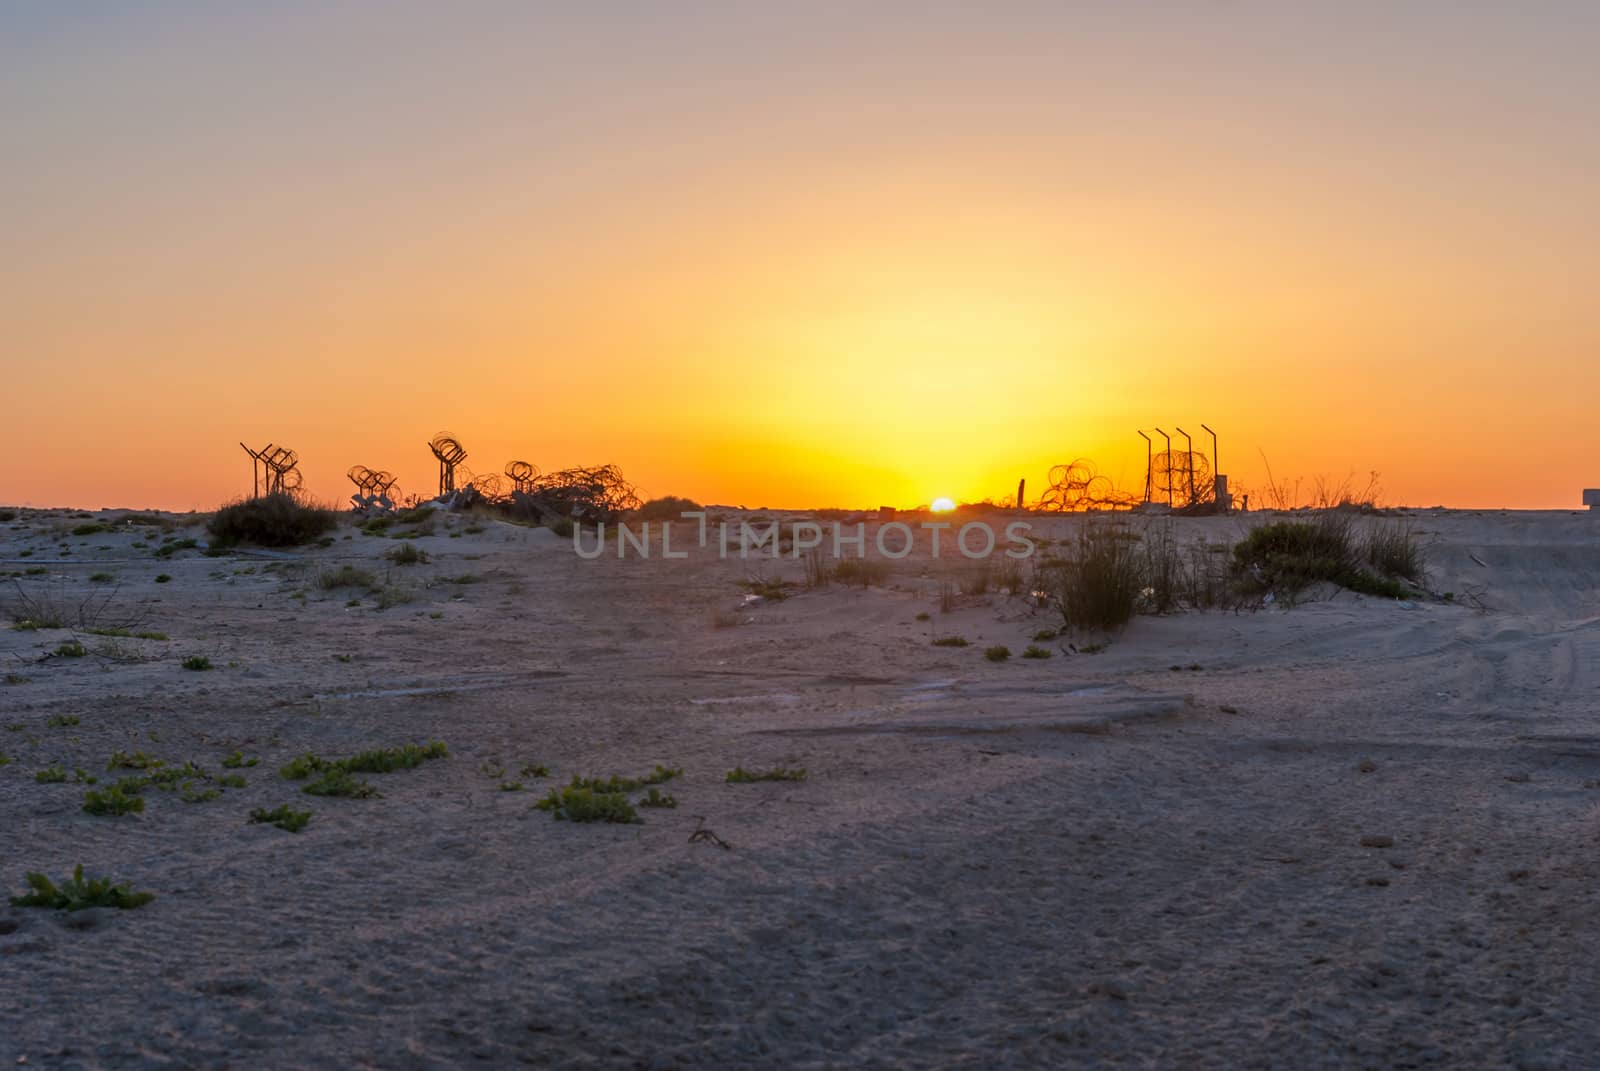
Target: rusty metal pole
{"points": [[1188, 462], [1149, 464], [1167, 437]]}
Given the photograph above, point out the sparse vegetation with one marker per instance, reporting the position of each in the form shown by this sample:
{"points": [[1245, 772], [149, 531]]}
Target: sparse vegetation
{"points": [[197, 663], [163, 578], [238, 761], [406, 554], [278, 520], [950, 641], [1035, 651], [62, 721], [339, 782], [1098, 587], [346, 576], [740, 776], [1392, 550], [137, 761], [113, 801], [282, 817], [333, 776], [51, 775], [71, 649], [126, 634], [861, 573], [773, 589], [1286, 557], [998, 653], [582, 804], [392, 595], [656, 798], [102, 578], [78, 893], [666, 508]]}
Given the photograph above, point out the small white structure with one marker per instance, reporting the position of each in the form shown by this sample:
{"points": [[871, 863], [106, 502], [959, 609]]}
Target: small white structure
{"points": [[1591, 497]]}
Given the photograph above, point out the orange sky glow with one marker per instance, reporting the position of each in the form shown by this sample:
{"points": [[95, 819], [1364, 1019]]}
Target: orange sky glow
{"points": [[799, 256]]}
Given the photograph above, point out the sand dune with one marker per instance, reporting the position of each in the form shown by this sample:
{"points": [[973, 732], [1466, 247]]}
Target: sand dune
{"points": [[1357, 832]]}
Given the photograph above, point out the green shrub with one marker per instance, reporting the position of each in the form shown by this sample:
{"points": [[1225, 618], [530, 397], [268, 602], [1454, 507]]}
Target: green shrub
{"points": [[90, 529], [740, 776], [113, 801], [656, 798], [62, 721], [303, 766], [387, 760], [1044, 635], [51, 775], [168, 549], [137, 761], [75, 894], [197, 663], [384, 760], [338, 782], [282, 817], [661, 775], [238, 761], [163, 578], [998, 653], [1035, 651], [270, 521], [406, 554], [231, 781], [71, 649], [1287, 556], [102, 578], [577, 804], [393, 595], [346, 576], [950, 641], [665, 508]]}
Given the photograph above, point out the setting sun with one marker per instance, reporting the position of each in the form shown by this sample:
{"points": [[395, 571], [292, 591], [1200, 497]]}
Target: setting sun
{"points": [[942, 505]]}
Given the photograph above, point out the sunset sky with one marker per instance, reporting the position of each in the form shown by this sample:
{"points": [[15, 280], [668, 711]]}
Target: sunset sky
{"points": [[799, 254]]}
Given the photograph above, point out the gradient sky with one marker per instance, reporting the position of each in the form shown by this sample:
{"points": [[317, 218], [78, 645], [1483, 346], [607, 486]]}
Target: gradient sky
{"points": [[799, 254]]}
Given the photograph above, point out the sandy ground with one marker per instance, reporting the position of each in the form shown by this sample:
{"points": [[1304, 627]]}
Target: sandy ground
{"points": [[1146, 857]]}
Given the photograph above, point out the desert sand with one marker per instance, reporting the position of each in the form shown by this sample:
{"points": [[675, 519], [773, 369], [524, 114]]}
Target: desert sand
{"points": [[1351, 833]]}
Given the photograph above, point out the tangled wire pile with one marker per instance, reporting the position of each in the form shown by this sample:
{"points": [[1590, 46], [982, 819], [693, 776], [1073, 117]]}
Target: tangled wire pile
{"points": [[1076, 486], [583, 494]]}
